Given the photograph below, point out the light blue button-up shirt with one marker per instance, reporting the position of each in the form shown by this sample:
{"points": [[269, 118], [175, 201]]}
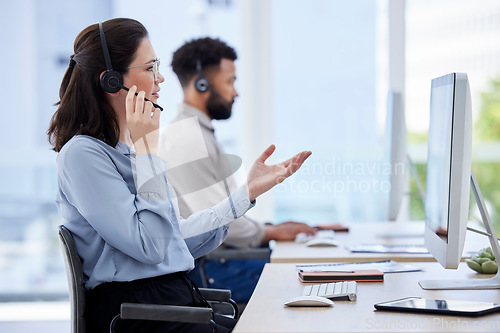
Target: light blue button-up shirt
{"points": [[124, 216]]}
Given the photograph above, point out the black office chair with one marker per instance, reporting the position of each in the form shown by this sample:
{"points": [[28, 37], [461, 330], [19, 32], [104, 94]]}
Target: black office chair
{"points": [[156, 312]]}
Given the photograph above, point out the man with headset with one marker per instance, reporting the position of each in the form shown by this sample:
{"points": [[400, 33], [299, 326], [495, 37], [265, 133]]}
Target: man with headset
{"points": [[201, 173]]}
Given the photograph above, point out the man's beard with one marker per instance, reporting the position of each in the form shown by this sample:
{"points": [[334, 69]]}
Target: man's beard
{"points": [[217, 107]]}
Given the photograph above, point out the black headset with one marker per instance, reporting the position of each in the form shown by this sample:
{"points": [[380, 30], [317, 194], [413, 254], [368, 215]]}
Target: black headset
{"points": [[111, 81], [201, 83]]}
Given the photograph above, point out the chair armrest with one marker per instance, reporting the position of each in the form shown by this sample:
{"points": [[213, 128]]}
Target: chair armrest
{"points": [[218, 295], [185, 314], [221, 295], [251, 253]]}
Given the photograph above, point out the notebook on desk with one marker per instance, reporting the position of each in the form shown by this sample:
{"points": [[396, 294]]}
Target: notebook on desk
{"points": [[366, 275], [385, 266]]}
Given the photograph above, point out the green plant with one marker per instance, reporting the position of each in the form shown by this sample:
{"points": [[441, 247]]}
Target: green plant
{"points": [[483, 262]]}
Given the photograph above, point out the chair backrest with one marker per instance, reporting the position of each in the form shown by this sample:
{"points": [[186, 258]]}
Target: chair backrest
{"points": [[76, 285]]}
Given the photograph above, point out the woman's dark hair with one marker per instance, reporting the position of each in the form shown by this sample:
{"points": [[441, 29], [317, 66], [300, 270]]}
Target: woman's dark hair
{"points": [[208, 51], [83, 107]]}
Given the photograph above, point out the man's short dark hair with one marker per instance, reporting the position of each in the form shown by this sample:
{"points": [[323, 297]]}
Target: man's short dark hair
{"points": [[208, 51]]}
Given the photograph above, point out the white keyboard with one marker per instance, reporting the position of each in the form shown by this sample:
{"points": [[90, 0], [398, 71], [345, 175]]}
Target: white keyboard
{"points": [[347, 289]]}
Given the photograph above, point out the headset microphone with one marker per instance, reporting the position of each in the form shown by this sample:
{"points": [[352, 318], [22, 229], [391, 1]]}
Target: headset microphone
{"points": [[112, 81], [147, 100]]}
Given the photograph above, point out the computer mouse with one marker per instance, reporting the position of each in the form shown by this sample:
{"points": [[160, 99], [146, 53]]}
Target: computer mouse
{"points": [[309, 301], [321, 242], [302, 237]]}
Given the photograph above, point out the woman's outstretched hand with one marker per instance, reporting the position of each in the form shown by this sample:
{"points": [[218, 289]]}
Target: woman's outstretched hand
{"points": [[263, 177]]}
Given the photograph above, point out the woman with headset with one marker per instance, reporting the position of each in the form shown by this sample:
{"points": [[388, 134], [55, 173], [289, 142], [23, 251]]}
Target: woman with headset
{"points": [[113, 193]]}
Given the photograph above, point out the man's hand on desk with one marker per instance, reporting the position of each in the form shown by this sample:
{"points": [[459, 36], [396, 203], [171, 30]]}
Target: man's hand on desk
{"points": [[286, 231]]}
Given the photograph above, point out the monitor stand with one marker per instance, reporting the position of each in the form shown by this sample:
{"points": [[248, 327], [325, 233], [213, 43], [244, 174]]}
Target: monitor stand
{"points": [[488, 283]]}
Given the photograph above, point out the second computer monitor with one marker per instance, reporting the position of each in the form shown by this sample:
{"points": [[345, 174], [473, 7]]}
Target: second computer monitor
{"points": [[395, 153]]}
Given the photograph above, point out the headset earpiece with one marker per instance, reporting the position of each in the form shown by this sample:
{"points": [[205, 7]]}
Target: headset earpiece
{"points": [[201, 83], [111, 81]]}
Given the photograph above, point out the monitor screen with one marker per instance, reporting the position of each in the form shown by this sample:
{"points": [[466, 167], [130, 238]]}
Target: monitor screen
{"points": [[439, 156], [448, 168]]}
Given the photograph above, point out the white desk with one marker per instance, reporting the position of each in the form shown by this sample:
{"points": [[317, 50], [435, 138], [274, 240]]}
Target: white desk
{"points": [[367, 233], [279, 282]]}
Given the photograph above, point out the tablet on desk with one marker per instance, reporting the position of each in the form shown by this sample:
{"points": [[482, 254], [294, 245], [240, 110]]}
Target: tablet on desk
{"points": [[439, 306]]}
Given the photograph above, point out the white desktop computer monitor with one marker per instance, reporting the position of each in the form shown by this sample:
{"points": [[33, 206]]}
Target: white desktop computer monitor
{"points": [[448, 181], [448, 168], [395, 152]]}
